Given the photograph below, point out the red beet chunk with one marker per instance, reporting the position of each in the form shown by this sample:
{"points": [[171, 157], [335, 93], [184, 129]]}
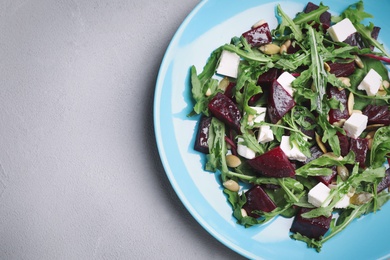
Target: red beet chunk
{"points": [[258, 36], [360, 147], [385, 182], [293, 48], [315, 153], [229, 90], [344, 144], [310, 227], [279, 102], [273, 163], [342, 69], [309, 132], [329, 178], [225, 110], [202, 135], [377, 114], [324, 18], [375, 34], [336, 115], [257, 199], [355, 39], [267, 78]]}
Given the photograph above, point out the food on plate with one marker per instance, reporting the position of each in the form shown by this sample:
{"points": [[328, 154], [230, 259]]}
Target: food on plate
{"points": [[295, 121]]}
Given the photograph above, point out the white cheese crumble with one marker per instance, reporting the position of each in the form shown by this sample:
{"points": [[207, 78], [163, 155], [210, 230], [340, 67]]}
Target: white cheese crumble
{"points": [[265, 134], [228, 64], [371, 83], [341, 30], [244, 151], [259, 116], [355, 125], [292, 152], [318, 195], [285, 80]]}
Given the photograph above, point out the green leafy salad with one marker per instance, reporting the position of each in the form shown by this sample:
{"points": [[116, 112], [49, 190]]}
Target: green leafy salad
{"points": [[295, 121]]}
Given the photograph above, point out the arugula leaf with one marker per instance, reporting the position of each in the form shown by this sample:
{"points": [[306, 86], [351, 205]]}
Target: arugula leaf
{"points": [[325, 161], [314, 15], [380, 147], [204, 81], [216, 159], [287, 22], [356, 14]]}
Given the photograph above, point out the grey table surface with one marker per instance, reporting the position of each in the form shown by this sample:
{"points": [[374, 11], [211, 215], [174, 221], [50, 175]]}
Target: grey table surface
{"points": [[80, 174]]}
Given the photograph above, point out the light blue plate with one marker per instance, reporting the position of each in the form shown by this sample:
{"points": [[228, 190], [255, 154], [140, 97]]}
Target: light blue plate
{"points": [[211, 24]]}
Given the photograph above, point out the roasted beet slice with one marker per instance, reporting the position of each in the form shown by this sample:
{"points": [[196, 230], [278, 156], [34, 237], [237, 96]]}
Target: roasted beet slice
{"points": [[279, 102], [293, 48], [375, 34], [344, 144], [385, 182], [324, 18], [273, 163], [310, 227], [335, 115], [267, 78], [342, 69], [377, 114], [315, 152], [229, 90], [265, 81], [329, 178], [309, 132], [257, 199], [258, 36], [360, 147], [355, 39], [202, 135], [225, 110]]}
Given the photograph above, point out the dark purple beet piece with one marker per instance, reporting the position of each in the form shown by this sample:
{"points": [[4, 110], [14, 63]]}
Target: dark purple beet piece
{"points": [[344, 144], [273, 163], [267, 78], [229, 90], [328, 179], [342, 69], [293, 48], [257, 199], [385, 182], [355, 39], [310, 227], [202, 135], [225, 110], [324, 18], [279, 102], [315, 153], [310, 132], [258, 36], [336, 115], [360, 147], [375, 34], [377, 114]]}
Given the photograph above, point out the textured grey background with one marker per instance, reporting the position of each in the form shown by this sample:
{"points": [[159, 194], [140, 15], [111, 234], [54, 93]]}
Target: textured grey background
{"points": [[80, 175]]}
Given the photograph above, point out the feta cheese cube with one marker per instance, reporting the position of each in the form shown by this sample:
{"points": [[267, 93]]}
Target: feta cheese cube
{"points": [[355, 125], [341, 30], [371, 83], [265, 134], [285, 79], [293, 153], [343, 203], [228, 64], [259, 116], [244, 151], [318, 195]]}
